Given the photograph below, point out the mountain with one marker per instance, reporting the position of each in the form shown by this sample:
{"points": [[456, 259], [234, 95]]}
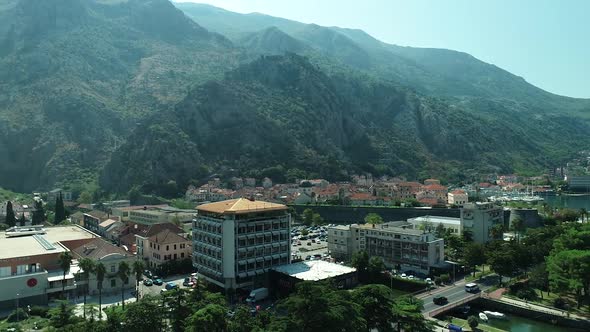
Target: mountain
{"points": [[436, 72], [77, 76], [283, 115], [134, 93]]}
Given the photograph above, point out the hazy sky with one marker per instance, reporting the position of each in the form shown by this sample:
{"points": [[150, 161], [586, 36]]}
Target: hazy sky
{"points": [[545, 41]]}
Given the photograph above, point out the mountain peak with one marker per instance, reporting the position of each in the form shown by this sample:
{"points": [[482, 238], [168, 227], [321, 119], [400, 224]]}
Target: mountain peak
{"points": [[272, 40]]}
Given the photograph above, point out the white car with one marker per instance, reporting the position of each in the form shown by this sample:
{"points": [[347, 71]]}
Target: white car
{"points": [[404, 276], [411, 277]]}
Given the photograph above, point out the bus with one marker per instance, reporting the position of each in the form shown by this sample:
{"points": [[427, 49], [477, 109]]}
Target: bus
{"points": [[472, 288]]}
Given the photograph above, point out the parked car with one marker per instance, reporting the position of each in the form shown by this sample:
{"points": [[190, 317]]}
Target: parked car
{"points": [[157, 281], [309, 243], [148, 282], [404, 276], [187, 282], [148, 274], [171, 285], [440, 300]]}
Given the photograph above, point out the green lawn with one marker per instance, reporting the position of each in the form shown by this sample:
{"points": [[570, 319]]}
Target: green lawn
{"points": [[548, 299], [25, 325]]}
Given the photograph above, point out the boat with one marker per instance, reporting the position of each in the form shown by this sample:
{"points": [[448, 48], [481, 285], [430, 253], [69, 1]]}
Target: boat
{"points": [[23, 231], [494, 314], [483, 317]]}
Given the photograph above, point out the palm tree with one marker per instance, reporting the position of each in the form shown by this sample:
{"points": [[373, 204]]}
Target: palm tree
{"points": [[123, 274], [138, 267], [87, 266], [100, 271], [65, 261]]}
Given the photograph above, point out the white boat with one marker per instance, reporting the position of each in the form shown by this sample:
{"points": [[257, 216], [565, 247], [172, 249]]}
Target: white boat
{"points": [[483, 317], [23, 231], [494, 314]]}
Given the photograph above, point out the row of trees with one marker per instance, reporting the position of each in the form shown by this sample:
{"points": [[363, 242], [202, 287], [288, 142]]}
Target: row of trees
{"points": [[38, 216], [89, 267], [313, 307]]}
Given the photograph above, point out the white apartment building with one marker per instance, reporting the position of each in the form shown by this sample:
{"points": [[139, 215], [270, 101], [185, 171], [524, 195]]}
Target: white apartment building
{"points": [[480, 218], [235, 242], [400, 246]]}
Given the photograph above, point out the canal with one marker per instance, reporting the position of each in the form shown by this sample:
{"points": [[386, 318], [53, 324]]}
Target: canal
{"points": [[513, 323]]}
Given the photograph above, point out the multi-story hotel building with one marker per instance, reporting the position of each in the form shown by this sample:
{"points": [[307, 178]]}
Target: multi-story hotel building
{"points": [[235, 242]]}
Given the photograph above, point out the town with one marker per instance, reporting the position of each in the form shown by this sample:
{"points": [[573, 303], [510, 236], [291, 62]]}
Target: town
{"points": [[255, 241]]}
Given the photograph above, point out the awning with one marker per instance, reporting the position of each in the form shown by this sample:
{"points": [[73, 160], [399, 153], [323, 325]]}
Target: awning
{"points": [[59, 277]]}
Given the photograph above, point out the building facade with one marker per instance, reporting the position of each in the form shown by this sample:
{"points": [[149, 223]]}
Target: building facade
{"points": [[163, 247], [235, 242], [484, 220], [458, 197], [450, 224], [399, 245]]}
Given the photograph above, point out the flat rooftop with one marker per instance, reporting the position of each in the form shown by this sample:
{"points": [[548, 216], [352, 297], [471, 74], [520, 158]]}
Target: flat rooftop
{"points": [[437, 220], [28, 245], [314, 270]]}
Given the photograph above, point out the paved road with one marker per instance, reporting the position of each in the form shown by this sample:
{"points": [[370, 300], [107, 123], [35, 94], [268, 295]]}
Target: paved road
{"points": [[155, 290], [453, 293]]}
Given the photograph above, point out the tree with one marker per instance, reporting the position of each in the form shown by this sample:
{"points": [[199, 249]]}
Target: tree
{"points": [[65, 261], [22, 220], [144, 316], [87, 266], [373, 219], [60, 211], [360, 261], [474, 255], [61, 315], [467, 236], [375, 267], [317, 219], [210, 318], [539, 278], [137, 269], [376, 301], [497, 231], [39, 213], [85, 197], [242, 320], [10, 217], [308, 216], [569, 271], [100, 271], [319, 307], [123, 274], [502, 260], [518, 227], [407, 311], [473, 322], [440, 231]]}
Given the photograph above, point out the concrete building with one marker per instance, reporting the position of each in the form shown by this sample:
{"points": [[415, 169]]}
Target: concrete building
{"points": [[480, 219], [161, 215], [340, 242], [29, 265], [458, 197], [65, 195], [92, 219], [400, 246], [432, 222], [235, 242]]}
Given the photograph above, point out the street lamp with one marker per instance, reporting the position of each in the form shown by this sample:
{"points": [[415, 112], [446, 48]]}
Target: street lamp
{"points": [[17, 295]]}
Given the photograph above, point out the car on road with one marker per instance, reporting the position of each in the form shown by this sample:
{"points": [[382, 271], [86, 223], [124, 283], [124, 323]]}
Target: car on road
{"points": [[171, 285], [471, 287], [158, 281], [404, 276], [148, 282], [440, 300]]}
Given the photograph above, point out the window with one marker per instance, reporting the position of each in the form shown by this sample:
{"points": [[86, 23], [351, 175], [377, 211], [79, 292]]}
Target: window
{"points": [[112, 268], [182, 246], [113, 283], [175, 256], [181, 255], [5, 271], [174, 247], [167, 248]]}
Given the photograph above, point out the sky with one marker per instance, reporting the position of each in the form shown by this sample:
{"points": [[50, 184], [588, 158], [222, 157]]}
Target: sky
{"points": [[547, 42]]}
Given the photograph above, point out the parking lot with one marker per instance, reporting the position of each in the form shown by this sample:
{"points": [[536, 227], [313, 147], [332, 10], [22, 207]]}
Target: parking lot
{"points": [[155, 289]]}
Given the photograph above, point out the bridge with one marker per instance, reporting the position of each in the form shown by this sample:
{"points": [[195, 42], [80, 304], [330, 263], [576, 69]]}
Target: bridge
{"points": [[455, 294]]}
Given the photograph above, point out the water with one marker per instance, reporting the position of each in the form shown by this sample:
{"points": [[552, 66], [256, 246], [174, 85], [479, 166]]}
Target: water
{"points": [[573, 202], [522, 324]]}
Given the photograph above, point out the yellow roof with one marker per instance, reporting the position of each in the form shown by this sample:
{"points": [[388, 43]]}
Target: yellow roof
{"points": [[240, 205]]}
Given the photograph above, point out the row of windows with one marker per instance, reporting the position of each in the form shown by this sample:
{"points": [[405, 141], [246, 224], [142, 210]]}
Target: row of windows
{"points": [[207, 239], [245, 228], [208, 263], [260, 252], [266, 239], [259, 265], [175, 246], [207, 251]]}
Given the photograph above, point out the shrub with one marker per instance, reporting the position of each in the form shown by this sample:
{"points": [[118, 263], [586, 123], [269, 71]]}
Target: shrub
{"points": [[39, 311], [445, 278], [20, 313], [526, 294], [559, 303], [473, 322]]}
